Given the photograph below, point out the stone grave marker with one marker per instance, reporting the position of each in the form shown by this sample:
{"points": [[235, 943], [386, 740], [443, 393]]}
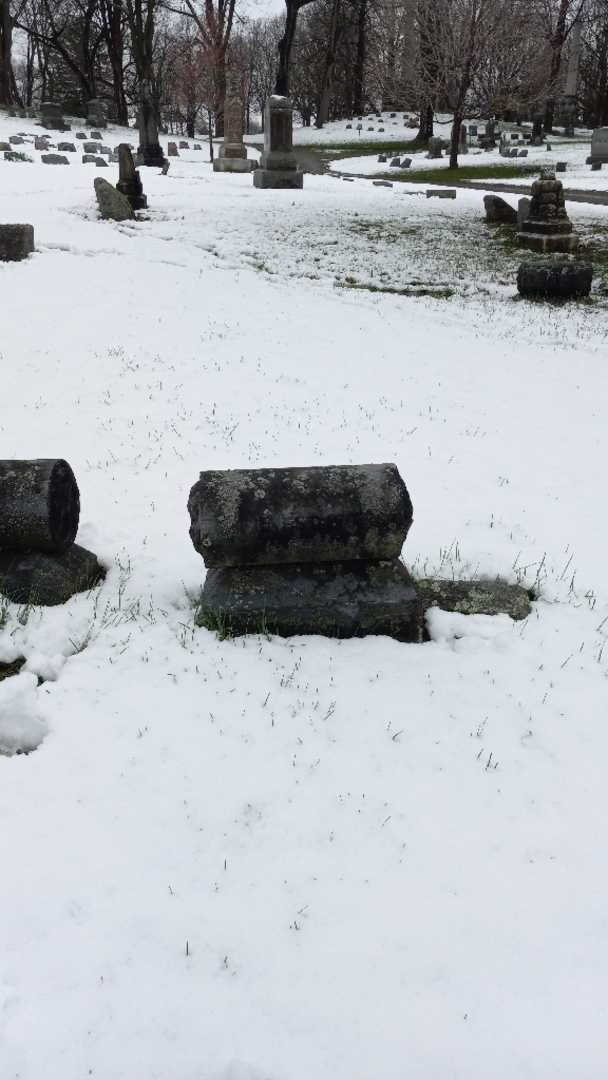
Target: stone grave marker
{"points": [[599, 146], [232, 155], [16, 242], [96, 115], [278, 164], [54, 159], [172, 150], [548, 227], [52, 116], [113, 205], [555, 280], [129, 180]]}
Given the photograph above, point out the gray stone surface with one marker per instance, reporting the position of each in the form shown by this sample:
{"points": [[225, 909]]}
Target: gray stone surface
{"points": [[113, 205], [5, 146], [479, 597], [435, 148], [172, 150], [54, 159], [91, 148], [278, 165], [555, 280], [81, 135], [247, 517], [129, 180], [498, 211], [101, 163], [335, 599], [441, 193], [16, 243], [548, 227], [66, 148], [41, 142], [52, 116], [599, 145], [88, 159], [523, 210], [41, 578], [39, 505], [16, 140]]}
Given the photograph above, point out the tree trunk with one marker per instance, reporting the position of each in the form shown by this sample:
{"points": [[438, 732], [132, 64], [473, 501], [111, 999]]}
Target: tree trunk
{"points": [[359, 73], [6, 42], [427, 123], [455, 141], [557, 44], [285, 45], [149, 146], [330, 59]]}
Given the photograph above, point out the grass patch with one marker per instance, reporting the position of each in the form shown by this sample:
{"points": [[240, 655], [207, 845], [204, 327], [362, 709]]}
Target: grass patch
{"points": [[464, 172], [438, 292]]}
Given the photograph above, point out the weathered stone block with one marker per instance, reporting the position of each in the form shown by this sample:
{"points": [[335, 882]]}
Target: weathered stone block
{"points": [[54, 159], [555, 280], [40, 578], [113, 205], [39, 504], [274, 178], [16, 242], [252, 517], [66, 148], [345, 600], [91, 148], [234, 165], [498, 211]]}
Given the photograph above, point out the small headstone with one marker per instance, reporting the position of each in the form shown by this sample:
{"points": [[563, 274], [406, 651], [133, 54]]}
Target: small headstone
{"points": [[107, 150], [382, 159], [89, 159], [16, 242], [113, 205], [278, 164], [184, 145], [561, 166], [555, 281], [96, 136], [523, 153], [172, 150], [380, 129], [81, 135], [441, 193], [396, 163], [197, 146], [370, 129], [523, 210], [406, 162], [596, 166], [5, 146], [498, 211], [41, 142], [435, 148], [15, 140], [382, 183], [54, 159], [101, 163], [66, 147], [599, 145], [91, 148], [349, 127]]}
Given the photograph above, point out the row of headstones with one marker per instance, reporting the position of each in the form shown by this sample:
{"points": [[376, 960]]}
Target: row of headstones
{"points": [[93, 152]]}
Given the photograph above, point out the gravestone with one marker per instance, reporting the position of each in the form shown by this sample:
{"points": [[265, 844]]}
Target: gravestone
{"points": [[406, 162], [522, 153], [523, 210], [91, 148], [498, 211], [184, 145], [129, 181], [54, 159], [52, 116], [435, 148], [278, 165], [441, 193], [113, 205], [537, 128], [66, 147], [561, 166], [41, 142], [16, 140], [463, 146], [382, 183], [5, 146], [39, 515], [96, 135], [305, 551], [81, 135], [555, 281], [548, 227], [382, 159], [101, 163], [599, 146], [596, 166], [89, 159], [232, 155], [96, 115], [172, 150], [396, 163], [16, 242]]}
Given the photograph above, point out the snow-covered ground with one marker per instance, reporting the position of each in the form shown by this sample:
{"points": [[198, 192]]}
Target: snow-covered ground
{"points": [[260, 859]]}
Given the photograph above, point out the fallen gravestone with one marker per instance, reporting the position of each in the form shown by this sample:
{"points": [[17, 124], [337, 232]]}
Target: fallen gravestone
{"points": [[113, 205], [555, 280], [89, 159], [54, 159], [435, 148], [305, 551], [16, 242], [81, 135], [498, 211], [39, 515], [548, 227], [278, 165]]}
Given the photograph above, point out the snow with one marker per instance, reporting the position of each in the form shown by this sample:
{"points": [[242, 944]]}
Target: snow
{"points": [[21, 727], [260, 859]]}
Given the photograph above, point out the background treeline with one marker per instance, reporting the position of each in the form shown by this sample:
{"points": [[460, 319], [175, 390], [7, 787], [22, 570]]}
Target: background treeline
{"points": [[337, 58]]}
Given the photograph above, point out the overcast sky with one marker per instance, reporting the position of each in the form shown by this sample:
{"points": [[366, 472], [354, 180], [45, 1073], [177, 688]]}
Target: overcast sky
{"points": [[259, 8]]}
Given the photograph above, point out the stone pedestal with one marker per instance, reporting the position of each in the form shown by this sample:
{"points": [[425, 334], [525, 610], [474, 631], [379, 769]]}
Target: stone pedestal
{"points": [[278, 165], [129, 181], [548, 227], [16, 242]]}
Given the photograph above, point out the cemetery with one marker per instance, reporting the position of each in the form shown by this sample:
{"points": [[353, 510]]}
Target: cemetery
{"points": [[303, 595]]}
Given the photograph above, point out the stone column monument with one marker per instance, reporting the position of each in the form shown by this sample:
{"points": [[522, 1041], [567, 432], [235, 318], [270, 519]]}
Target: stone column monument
{"points": [[548, 227], [233, 153], [279, 168], [129, 181]]}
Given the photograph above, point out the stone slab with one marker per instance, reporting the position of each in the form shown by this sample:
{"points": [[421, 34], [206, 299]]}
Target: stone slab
{"points": [[234, 165], [341, 600], [292, 179], [37, 578]]}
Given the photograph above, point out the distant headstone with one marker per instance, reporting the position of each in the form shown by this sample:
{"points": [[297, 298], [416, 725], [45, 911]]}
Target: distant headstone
{"points": [[81, 135], [278, 164], [54, 159], [41, 142], [66, 147], [522, 153], [197, 146], [52, 116], [101, 163], [16, 242], [441, 193], [16, 140], [523, 210], [112, 204], [232, 155], [596, 166], [349, 127], [406, 162], [435, 148], [599, 145], [382, 159], [89, 159], [396, 163], [91, 148], [561, 166], [382, 183], [129, 180], [172, 150], [96, 115]]}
